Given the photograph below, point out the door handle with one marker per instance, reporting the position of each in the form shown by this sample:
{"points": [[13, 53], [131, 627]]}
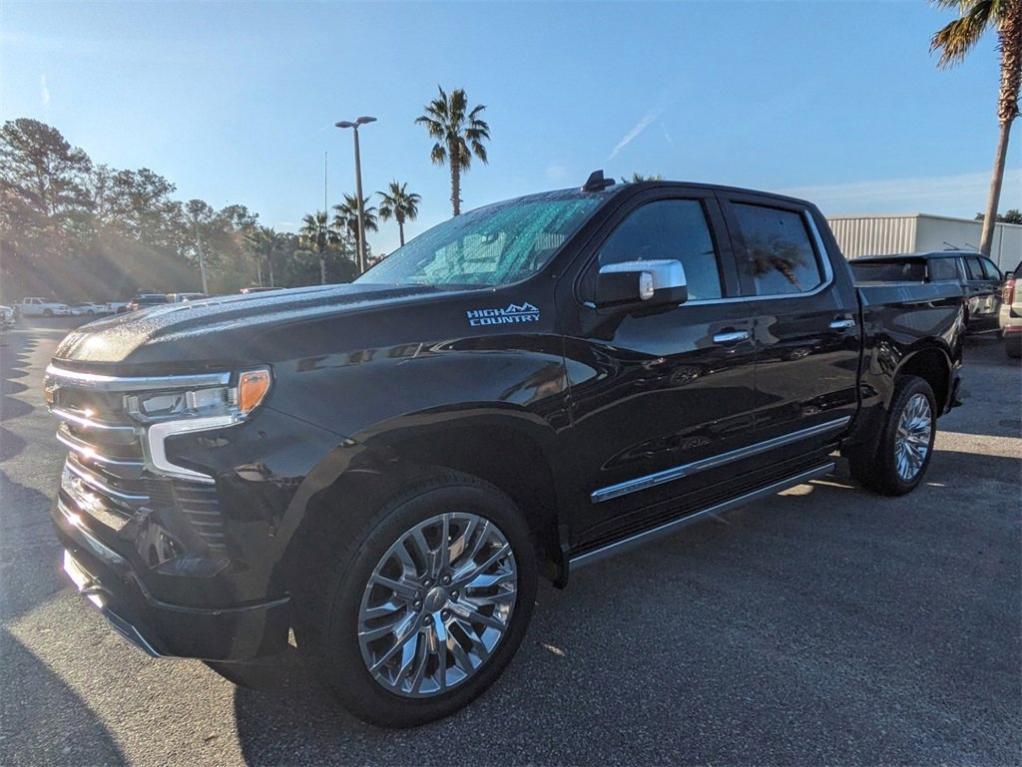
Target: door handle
{"points": [[842, 324], [731, 337]]}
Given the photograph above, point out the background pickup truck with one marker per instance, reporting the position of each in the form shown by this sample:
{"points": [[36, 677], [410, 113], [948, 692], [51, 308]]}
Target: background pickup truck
{"points": [[41, 307], [386, 466]]}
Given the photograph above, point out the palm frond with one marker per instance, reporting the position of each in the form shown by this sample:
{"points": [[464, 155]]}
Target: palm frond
{"points": [[955, 39]]}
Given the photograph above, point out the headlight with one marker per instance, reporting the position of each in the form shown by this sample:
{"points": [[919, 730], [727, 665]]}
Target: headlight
{"points": [[236, 400]]}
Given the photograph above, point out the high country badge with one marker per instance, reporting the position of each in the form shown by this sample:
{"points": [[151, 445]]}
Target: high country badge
{"points": [[512, 314]]}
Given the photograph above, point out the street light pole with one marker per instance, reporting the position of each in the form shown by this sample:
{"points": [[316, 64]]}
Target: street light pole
{"points": [[358, 188]]}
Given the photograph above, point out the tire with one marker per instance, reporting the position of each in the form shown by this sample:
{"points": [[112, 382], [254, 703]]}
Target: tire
{"points": [[885, 467], [1013, 345], [47, 312], [406, 692]]}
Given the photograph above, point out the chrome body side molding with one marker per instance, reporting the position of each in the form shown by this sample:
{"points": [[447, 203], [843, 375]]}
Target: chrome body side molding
{"points": [[688, 469], [667, 528]]}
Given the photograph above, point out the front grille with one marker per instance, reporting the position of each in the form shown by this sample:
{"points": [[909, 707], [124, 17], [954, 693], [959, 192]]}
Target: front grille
{"points": [[105, 473]]}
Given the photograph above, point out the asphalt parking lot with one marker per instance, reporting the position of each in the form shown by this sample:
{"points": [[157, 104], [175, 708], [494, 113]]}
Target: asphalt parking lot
{"points": [[826, 625]]}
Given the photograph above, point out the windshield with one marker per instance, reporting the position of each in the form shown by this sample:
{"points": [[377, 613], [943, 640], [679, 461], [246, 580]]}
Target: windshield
{"points": [[496, 245]]}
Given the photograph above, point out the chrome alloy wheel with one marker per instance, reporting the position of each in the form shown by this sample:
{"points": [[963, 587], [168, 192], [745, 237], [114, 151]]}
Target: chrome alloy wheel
{"points": [[912, 441], [437, 604]]}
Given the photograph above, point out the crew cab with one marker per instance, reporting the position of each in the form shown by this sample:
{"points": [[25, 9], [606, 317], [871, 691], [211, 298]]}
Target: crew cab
{"points": [[386, 467], [41, 307]]}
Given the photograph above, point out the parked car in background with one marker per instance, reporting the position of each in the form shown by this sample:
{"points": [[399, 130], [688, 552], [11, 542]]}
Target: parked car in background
{"points": [[118, 307], [173, 298], [143, 300], [978, 277], [41, 307], [7, 316], [89, 308], [1010, 317]]}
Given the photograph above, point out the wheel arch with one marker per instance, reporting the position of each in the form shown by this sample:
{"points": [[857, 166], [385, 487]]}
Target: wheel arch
{"points": [[510, 449], [933, 364]]}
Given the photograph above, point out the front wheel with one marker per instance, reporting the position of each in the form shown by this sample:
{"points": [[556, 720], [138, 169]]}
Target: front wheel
{"points": [[428, 605], [896, 463]]}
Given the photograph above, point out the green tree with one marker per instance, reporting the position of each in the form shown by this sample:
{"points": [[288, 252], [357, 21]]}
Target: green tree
{"points": [[318, 237], [459, 133], [1012, 216], [345, 222], [400, 204], [954, 41]]}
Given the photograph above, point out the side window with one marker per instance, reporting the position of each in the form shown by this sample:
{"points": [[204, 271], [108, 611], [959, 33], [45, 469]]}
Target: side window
{"points": [[943, 269], [990, 271], [779, 257], [973, 268], [669, 229]]}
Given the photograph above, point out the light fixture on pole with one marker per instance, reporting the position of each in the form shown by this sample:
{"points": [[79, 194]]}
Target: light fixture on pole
{"points": [[358, 188]]}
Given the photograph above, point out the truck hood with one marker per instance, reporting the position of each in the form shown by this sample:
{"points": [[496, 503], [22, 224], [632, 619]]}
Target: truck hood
{"points": [[216, 331]]}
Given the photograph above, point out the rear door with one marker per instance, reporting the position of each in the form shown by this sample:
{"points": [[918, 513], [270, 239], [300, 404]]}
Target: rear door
{"points": [[983, 290], [805, 323]]}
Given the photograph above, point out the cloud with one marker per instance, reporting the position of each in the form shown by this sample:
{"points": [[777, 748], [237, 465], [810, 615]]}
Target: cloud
{"points": [[667, 136], [639, 127], [962, 195], [44, 91]]}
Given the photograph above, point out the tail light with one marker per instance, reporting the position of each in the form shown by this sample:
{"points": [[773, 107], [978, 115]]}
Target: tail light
{"points": [[1008, 292]]}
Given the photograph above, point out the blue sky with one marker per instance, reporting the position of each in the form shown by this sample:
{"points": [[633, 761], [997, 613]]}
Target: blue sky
{"points": [[839, 102]]}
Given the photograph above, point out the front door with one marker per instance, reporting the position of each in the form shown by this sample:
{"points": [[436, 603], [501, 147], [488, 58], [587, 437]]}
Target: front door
{"points": [[657, 397]]}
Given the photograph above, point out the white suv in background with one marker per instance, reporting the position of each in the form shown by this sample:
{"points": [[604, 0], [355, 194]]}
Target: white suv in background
{"points": [[40, 307], [1010, 316]]}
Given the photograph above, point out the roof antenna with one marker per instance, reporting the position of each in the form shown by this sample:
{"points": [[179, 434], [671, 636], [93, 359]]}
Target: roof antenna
{"points": [[596, 182]]}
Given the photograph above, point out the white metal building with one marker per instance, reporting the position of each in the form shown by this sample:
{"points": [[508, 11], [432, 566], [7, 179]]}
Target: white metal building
{"points": [[919, 233]]}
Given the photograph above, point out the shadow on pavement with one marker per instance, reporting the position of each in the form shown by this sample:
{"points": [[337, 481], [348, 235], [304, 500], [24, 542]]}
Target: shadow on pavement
{"points": [[34, 696], [867, 646]]}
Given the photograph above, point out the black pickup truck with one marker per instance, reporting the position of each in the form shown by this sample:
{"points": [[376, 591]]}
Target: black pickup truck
{"points": [[387, 467]]}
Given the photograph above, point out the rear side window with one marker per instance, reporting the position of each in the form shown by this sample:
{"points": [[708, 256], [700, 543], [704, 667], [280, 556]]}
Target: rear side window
{"points": [[669, 229], [943, 269], [779, 257]]}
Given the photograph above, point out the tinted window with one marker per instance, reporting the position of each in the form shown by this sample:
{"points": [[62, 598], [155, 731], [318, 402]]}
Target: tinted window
{"points": [[669, 229], [973, 268], [943, 269], [779, 257]]}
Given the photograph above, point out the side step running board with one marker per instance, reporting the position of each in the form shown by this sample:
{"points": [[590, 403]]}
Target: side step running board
{"points": [[674, 525]]}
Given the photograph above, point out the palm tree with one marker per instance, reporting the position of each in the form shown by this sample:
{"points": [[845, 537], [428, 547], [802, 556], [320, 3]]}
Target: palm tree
{"points": [[316, 236], [955, 40], [459, 134], [345, 221], [262, 242], [638, 178], [400, 204]]}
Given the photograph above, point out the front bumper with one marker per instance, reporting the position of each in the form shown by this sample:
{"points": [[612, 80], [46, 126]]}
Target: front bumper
{"points": [[160, 628]]}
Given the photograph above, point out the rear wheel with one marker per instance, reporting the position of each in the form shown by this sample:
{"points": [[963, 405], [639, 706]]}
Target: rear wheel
{"points": [[896, 462], [1013, 345], [47, 312], [427, 605]]}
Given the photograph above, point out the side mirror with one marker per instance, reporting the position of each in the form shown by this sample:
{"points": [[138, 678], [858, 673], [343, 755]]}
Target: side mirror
{"points": [[645, 283]]}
